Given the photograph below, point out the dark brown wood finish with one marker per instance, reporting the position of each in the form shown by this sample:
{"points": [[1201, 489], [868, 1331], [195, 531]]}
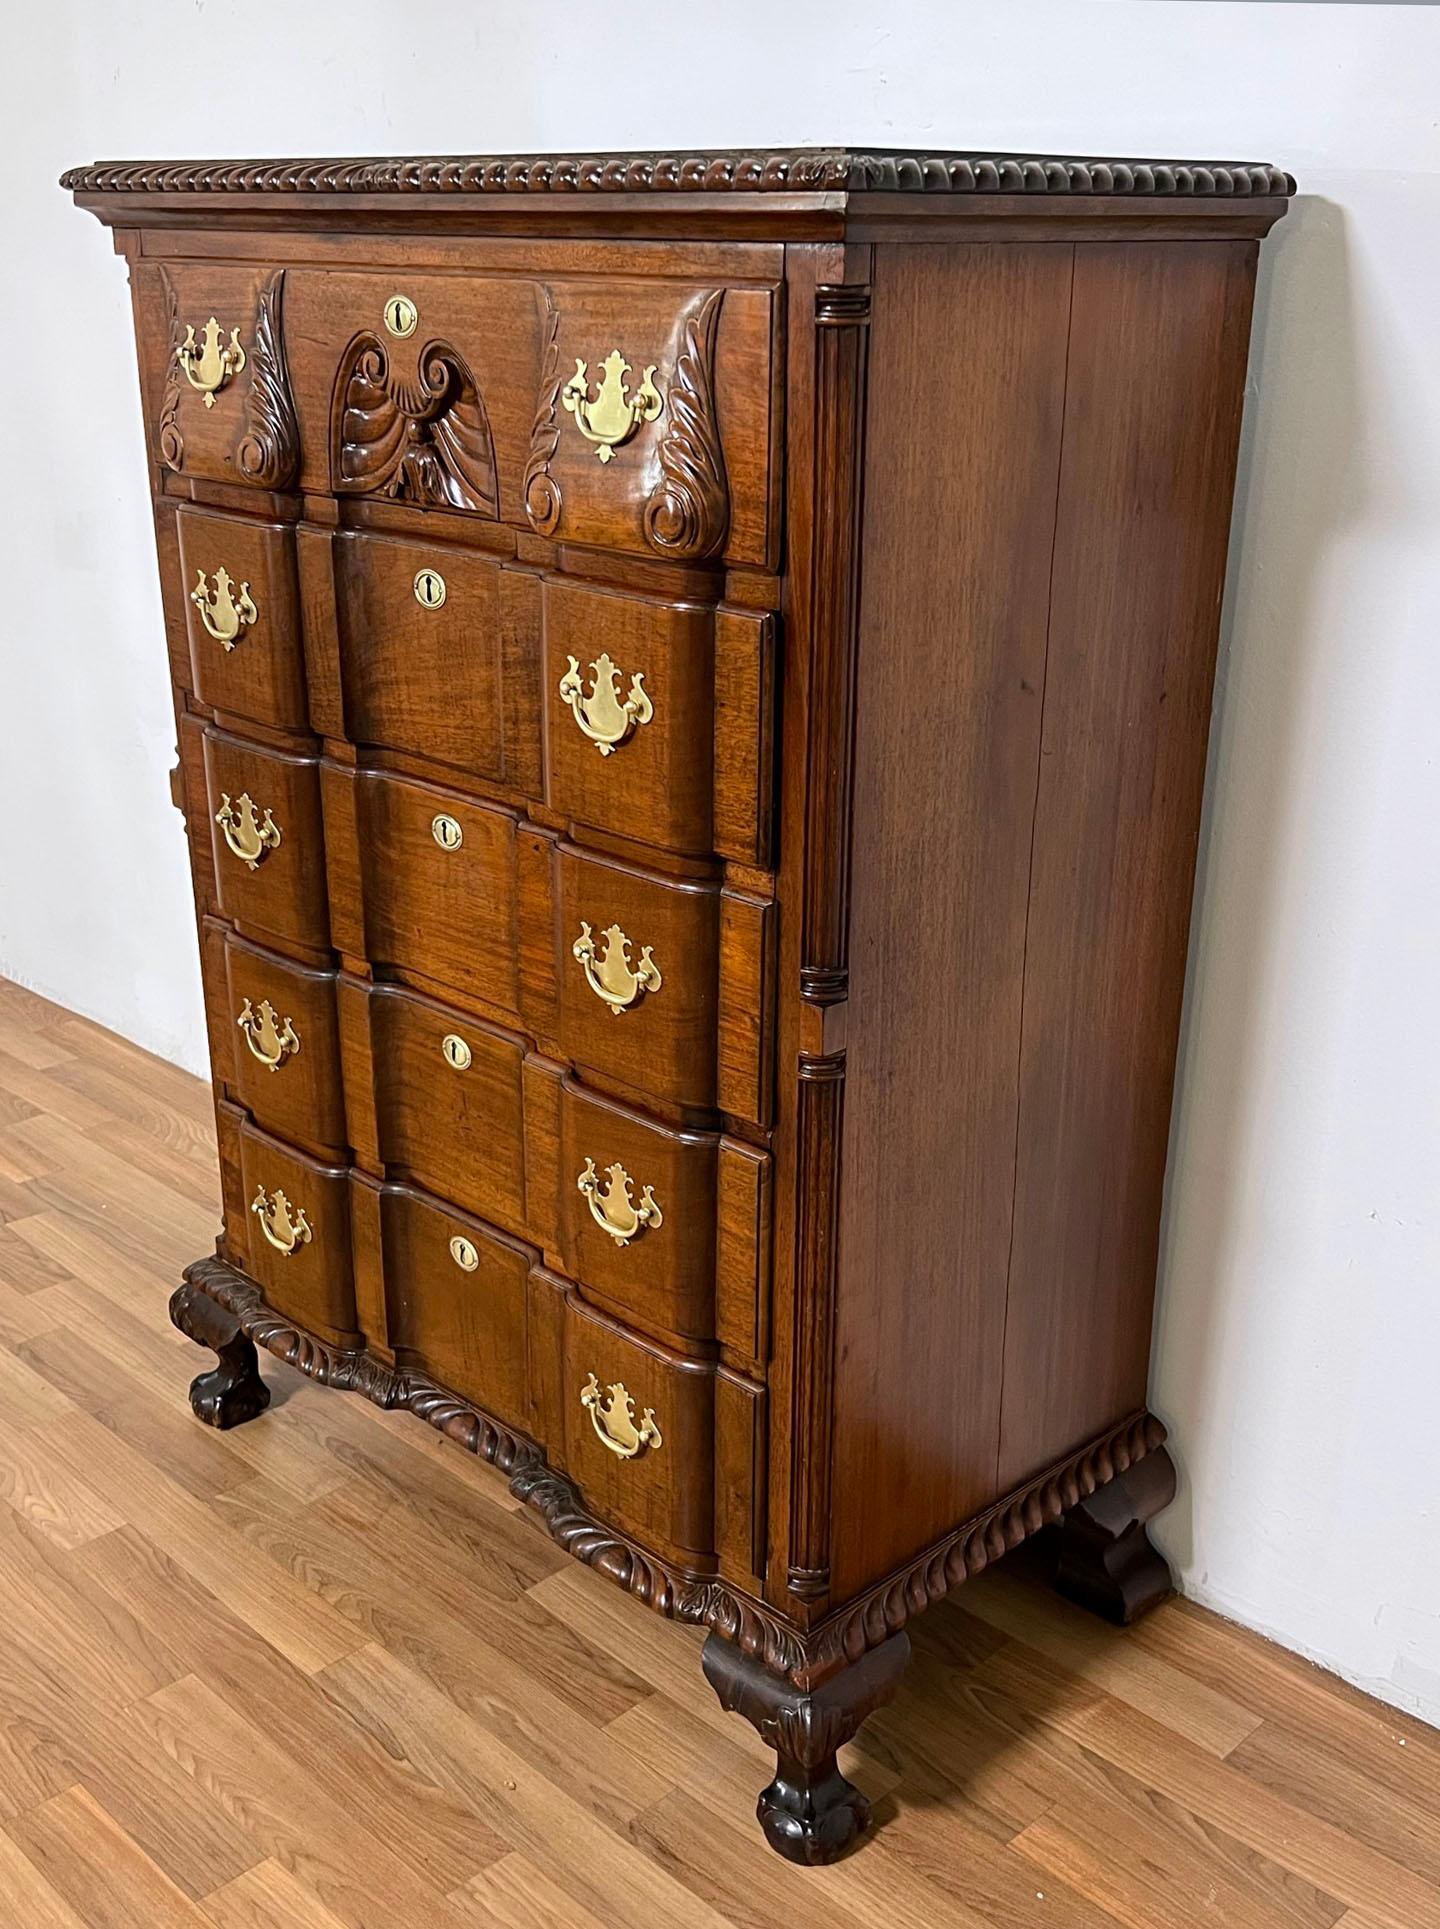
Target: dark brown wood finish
{"points": [[711, 690]]}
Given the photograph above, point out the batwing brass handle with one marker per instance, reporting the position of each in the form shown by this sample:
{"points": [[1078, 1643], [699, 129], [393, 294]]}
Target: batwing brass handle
{"points": [[209, 367], [611, 1209], [284, 1225], [250, 835], [612, 1414], [272, 1040], [613, 415], [609, 974], [223, 614], [605, 720]]}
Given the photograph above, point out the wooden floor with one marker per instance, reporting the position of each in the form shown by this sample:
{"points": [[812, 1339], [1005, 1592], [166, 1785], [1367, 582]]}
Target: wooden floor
{"points": [[321, 1670]]}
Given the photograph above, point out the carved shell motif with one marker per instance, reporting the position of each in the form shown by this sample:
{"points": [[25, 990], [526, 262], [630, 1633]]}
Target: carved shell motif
{"points": [[423, 438]]}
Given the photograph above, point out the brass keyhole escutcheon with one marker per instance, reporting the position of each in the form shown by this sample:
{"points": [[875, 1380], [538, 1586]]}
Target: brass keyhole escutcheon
{"points": [[446, 831], [463, 1252], [457, 1052], [430, 591], [401, 315]]}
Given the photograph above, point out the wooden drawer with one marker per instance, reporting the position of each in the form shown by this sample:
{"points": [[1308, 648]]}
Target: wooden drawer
{"points": [[635, 1214], [663, 1492], [423, 879], [434, 653], [268, 837], [629, 714], [298, 1235], [455, 1295], [436, 1096], [284, 1044], [658, 719], [235, 421], [652, 943], [242, 615], [467, 410]]}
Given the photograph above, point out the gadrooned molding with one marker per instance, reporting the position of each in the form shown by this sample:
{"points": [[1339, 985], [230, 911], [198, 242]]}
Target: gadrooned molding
{"points": [[807, 1658], [792, 170]]}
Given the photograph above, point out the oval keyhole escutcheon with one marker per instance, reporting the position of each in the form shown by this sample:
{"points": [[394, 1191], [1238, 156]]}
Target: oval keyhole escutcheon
{"points": [[446, 831], [401, 315], [430, 591], [457, 1052], [463, 1252]]}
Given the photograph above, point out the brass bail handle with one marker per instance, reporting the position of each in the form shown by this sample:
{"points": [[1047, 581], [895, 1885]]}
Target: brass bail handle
{"points": [[208, 366], [601, 715], [609, 973], [248, 833], [611, 1206], [612, 415], [612, 1414], [222, 612], [284, 1226]]}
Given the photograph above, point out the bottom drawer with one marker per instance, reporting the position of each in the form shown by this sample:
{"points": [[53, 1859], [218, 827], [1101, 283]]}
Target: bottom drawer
{"points": [[298, 1235], [455, 1300], [638, 1426]]}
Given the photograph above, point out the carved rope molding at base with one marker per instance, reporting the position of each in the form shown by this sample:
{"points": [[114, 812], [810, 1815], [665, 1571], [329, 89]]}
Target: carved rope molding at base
{"points": [[699, 1600], [793, 170], [867, 1622]]}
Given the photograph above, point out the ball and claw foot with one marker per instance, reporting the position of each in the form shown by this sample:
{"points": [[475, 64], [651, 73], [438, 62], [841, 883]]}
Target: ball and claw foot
{"points": [[810, 1813], [233, 1392], [1106, 1562]]}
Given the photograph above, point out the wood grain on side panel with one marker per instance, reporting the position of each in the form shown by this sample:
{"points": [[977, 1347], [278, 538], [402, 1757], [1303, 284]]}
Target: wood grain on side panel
{"points": [[1157, 368], [959, 517]]}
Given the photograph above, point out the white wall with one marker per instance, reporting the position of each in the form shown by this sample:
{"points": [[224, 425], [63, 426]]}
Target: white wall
{"points": [[1299, 1325]]}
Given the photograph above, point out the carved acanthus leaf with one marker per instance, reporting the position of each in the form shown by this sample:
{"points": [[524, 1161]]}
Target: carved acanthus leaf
{"points": [[269, 451], [542, 491], [688, 510], [172, 443]]}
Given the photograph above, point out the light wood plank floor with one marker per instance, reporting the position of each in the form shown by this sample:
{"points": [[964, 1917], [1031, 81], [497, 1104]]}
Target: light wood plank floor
{"points": [[321, 1670]]}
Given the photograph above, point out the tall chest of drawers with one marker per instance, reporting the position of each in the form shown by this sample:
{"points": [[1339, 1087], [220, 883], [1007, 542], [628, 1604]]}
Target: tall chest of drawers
{"points": [[692, 679]]}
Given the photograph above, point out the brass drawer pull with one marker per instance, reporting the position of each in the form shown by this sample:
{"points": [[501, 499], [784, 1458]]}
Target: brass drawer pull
{"points": [[456, 1052], [210, 368], [611, 1209], [270, 1040], [463, 1252], [609, 976], [613, 415], [605, 720], [613, 1418], [249, 835], [447, 831], [224, 615], [284, 1225]]}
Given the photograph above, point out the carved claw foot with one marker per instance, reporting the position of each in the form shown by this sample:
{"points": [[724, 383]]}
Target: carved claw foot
{"points": [[1106, 1561], [810, 1813], [234, 1391]]}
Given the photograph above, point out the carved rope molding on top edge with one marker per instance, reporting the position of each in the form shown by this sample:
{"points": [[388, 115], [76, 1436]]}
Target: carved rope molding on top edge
{"points": [[791, 170], [704, 1602]]}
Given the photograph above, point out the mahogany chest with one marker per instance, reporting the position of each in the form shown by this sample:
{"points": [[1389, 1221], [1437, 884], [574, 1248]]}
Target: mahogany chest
{"points": [[692, 679]]}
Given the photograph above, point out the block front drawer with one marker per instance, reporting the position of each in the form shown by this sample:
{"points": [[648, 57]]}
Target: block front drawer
{"points": [[268, 839], [242, 615]]}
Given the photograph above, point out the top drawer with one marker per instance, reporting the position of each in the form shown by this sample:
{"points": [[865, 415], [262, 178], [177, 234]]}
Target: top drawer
{"points": [[634, 414]]}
